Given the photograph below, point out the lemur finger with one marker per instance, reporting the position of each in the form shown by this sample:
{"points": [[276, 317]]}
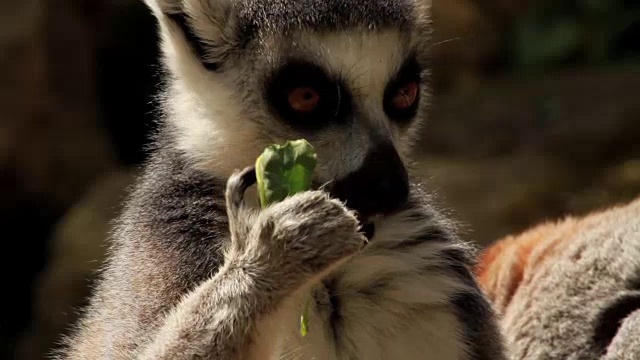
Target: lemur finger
{"points": [[239, 216], [237, 185]]}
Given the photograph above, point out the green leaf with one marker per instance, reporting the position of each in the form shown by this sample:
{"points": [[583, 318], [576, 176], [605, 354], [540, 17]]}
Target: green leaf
{"points": [[304, 318], [304, 325], [283, 170]]}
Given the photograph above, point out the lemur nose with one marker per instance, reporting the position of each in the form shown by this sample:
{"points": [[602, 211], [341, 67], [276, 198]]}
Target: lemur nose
{"points": [[380, 186]]}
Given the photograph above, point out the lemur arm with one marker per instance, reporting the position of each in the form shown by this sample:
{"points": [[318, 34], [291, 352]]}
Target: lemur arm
{"points": [[271, 255], [218, 320]]}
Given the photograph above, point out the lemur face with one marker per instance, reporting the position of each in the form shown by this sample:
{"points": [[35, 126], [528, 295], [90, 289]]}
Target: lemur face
{"points": [[350, 77]]}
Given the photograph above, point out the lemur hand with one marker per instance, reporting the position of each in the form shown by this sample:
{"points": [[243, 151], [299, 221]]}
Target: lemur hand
{"points": [[293, 241]]}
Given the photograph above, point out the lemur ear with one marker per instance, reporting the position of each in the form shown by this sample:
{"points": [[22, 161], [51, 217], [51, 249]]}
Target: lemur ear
{"points": [[161, 7], [209, 27]]}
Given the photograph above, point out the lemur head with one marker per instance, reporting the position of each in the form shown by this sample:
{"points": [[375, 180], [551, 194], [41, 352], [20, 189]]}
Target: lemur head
{"points": [[347, 75]]}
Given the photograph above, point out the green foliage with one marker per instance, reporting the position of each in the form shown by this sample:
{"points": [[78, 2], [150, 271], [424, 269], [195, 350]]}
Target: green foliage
{"points": [[284, 170], [555, 32], [304, 322]]}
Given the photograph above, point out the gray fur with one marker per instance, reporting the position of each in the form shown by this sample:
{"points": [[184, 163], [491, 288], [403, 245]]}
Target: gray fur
{"points": [[583, 301], [283, 16], [235, 30]]}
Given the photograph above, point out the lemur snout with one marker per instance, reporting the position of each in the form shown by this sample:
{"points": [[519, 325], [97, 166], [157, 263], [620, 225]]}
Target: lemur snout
{"points": [[380, 186]]}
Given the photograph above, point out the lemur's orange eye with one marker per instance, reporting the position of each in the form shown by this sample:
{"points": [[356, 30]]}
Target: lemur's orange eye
{"points": [[303, 99], [406, 96]]}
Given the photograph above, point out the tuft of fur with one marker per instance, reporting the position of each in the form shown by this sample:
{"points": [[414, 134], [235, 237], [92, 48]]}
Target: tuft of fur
{"points": [[569, 289]]}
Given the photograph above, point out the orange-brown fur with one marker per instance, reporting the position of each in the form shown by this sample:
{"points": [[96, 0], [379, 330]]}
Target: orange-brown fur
{"points": [[510, 262], [569, 289]]}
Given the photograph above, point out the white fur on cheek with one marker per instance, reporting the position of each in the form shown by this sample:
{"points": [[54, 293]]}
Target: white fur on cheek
{"points": [[213, 129]]}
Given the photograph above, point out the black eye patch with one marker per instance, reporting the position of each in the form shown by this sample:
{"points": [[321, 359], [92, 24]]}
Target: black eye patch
{"points": [[306, 97], [402, 94]]}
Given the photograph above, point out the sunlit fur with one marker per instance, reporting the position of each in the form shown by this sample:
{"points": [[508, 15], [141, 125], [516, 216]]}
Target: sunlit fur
{"points": [[195, 272]]}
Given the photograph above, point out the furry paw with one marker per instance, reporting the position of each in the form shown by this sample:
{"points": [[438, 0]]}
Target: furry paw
{"points": [[297, 238], [312, 230]]}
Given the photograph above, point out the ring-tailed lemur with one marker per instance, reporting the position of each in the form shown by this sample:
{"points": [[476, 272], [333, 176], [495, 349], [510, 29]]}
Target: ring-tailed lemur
{"points": [[195, 272]]}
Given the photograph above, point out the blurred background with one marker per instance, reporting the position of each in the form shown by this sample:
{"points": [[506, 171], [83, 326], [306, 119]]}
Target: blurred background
{"points": [[536, 115]]}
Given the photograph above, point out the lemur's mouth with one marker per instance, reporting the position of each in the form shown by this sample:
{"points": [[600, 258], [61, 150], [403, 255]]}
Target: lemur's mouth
{"points": [[367, 226], [369, 230]]}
